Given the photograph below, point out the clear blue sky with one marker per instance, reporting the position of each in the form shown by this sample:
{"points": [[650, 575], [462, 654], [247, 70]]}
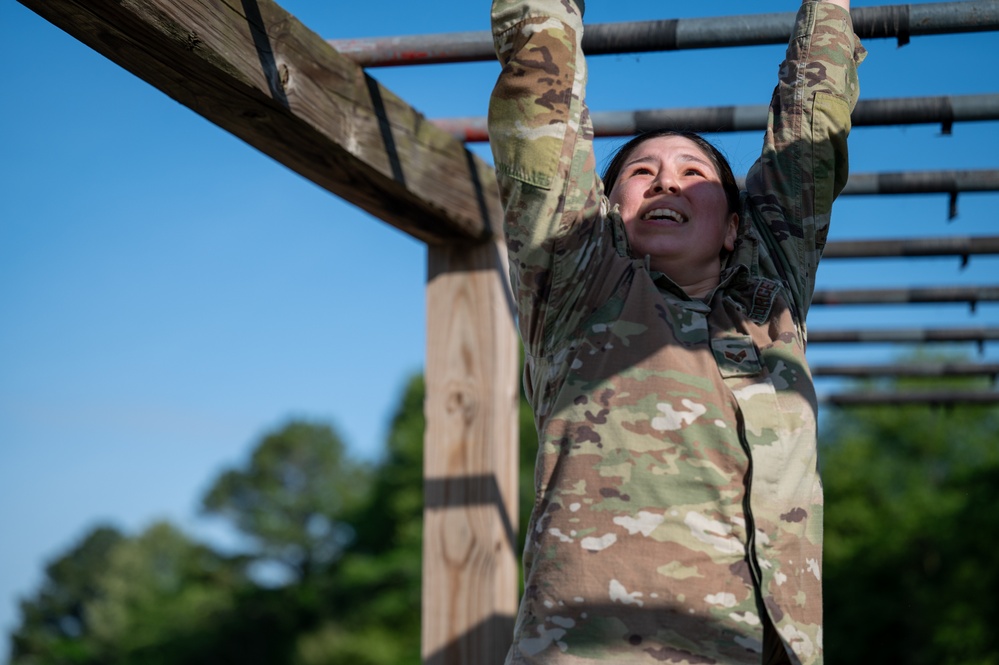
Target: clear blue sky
{"points": [[168, 294]]}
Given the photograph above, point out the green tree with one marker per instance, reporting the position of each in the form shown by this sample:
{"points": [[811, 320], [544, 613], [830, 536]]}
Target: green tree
{"points": [[376, 620], [291, 497], [380, 576], [54, 623], [162, 599], [910, 566], [154, 599]]}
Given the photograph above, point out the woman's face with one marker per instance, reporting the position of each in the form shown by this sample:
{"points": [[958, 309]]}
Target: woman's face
{"points": [[673, 204]]}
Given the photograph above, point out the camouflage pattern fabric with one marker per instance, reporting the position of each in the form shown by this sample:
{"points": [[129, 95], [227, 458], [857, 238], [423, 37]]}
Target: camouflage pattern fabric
{"points": [[679, 506]]}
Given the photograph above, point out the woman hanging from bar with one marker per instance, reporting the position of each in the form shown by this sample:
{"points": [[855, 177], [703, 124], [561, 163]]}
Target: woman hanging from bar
{"points": [[678, 516]]}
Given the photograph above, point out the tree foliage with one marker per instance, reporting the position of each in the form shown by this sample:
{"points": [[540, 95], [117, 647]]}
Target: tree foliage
{"points": [[291, 496], [55, 620], [910, 570]]}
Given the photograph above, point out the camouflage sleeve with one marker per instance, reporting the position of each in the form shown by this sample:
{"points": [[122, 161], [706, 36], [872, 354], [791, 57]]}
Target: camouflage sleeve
{"points": [[804, 164], [541, 139]]}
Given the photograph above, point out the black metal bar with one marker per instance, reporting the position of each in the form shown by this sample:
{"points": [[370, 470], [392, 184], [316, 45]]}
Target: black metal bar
{"points": [[971, 294], [962, 246], [903, 335], [897, 21], [929, 397], [943, 110], [922, 182], [916, 369], [919, 182]]}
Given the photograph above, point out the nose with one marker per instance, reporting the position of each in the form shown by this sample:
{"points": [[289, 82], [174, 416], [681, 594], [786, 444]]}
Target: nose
{"points": [[664, 182]]}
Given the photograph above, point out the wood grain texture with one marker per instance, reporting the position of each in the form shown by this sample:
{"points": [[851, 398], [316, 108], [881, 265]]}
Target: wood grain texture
{"points": [[256, 71], [470, 459]]}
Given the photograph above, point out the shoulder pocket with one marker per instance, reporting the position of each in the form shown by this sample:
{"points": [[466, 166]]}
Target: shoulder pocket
{"points": [[830, 127], [531, 106]]}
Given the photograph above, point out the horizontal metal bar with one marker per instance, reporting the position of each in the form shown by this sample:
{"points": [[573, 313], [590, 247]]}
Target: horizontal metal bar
{"points": [[923, 182], [898, 21], [916, 369], [929, 397], [971, 294], [944, 110], [903, 335], [963, 246]]}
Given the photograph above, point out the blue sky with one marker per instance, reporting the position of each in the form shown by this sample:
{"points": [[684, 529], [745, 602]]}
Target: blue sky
{"points": [[168, 294]]}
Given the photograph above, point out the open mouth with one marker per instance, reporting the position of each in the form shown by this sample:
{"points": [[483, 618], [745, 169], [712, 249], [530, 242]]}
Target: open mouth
{"points": [[665, 214]]}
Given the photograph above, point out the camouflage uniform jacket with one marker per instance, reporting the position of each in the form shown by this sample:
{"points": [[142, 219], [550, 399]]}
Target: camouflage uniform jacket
{"points": [[678, 497]]}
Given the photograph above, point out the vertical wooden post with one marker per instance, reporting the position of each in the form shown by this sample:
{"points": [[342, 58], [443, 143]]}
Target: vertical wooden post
{"points": [[470, 458]]}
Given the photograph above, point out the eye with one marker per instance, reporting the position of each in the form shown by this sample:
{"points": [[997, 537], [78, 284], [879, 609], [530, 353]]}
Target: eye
{"points": [[693, 172], [641, 170]]}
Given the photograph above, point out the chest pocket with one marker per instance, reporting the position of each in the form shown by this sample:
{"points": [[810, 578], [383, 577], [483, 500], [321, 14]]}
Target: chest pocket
{"points": [[736, 355]]}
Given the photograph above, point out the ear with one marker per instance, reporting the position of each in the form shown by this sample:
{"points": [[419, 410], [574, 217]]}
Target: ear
{"points": [[731, 232]]}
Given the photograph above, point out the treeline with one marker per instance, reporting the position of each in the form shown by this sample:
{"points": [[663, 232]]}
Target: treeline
{"points": [[333, 575]]}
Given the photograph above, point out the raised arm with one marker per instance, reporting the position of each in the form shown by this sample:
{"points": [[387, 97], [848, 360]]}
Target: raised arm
{"points": [[845, 4], [804, 164], [541, 140]]}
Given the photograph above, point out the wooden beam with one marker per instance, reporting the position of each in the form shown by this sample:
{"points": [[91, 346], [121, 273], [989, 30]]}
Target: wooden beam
{"points": [[470, 458], [257, 72]]}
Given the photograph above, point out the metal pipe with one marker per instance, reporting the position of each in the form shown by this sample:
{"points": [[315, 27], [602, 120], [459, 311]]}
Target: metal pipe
{"points": [[903, 335], [929, 397], [923, 182], [918, 369], [963, 246], [944, 110], [898, 21], [919, 182], [971, 294]]}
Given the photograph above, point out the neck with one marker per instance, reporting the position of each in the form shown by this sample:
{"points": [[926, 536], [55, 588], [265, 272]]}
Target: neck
{"points": [[696, 281]]}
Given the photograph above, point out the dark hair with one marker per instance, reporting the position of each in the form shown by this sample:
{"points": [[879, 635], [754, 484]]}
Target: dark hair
{"points": [[720, 163]]}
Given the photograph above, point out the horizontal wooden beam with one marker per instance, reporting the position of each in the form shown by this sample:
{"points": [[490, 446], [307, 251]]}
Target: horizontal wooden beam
{"points": [[257, 72]]}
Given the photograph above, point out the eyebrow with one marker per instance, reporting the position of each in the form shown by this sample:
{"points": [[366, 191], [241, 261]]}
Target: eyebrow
{"points": [[684, 157]]}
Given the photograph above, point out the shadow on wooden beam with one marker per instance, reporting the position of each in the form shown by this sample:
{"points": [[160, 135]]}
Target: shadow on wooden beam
{"points": [[468, 491], [458, 651]]}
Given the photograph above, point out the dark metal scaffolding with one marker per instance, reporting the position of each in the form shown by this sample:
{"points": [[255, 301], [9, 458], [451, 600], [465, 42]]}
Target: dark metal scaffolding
{"points": [[943, 110], [897, 397], [923, 182], [903, 335], [898, 21], [941, 294], [918, 369], [962, 246], [894, 21], [933, 294]]}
